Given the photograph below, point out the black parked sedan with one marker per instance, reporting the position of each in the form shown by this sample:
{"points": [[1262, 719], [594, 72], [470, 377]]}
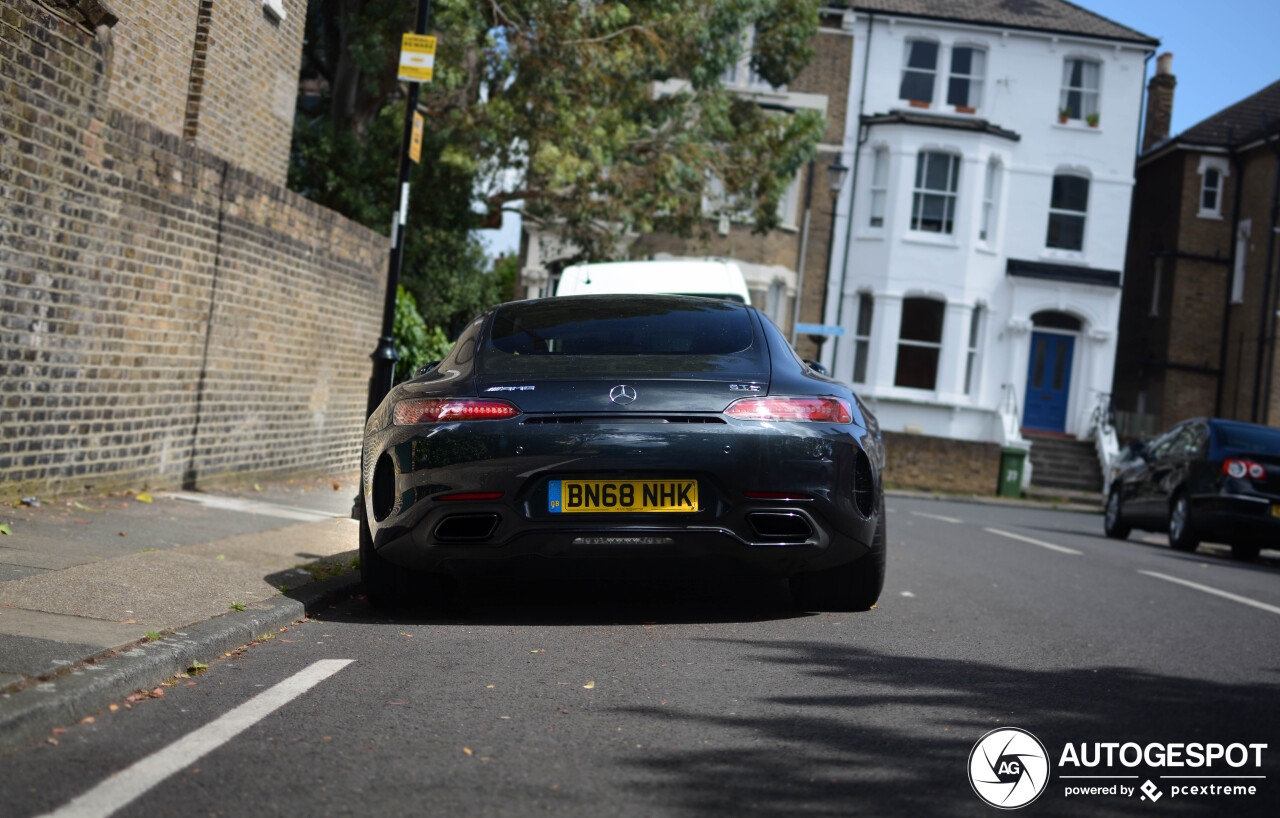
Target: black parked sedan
{"points": [[657, 433], [1216, 480]]}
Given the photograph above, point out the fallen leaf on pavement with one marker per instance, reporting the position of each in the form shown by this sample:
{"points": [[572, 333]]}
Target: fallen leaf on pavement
{"points": [[337, 486], [87, 720], [4, 529], [57, 731], [143, 498], [466, 750], [122, 534], [113, 707], [590, 685]]}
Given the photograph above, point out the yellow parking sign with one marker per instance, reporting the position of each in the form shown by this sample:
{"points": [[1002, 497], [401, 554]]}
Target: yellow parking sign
{"points": [[417, 58]]}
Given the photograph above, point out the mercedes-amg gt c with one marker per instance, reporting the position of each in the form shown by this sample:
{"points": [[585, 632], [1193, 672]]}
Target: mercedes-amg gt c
{"points": [[656, 432]]}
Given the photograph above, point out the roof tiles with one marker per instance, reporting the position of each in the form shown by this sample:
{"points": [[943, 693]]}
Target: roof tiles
{"points": [[1036, 15]]}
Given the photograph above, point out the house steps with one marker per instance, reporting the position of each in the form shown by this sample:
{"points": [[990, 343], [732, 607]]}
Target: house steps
{"points": [[1064, 464]]}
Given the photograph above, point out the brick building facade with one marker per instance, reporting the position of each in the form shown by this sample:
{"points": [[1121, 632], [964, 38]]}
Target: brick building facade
{"points": [[224, 76], [168, 312], [1197, 330]]}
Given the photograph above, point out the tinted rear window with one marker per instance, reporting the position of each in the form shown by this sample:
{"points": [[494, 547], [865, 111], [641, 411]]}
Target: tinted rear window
{"points": [[1257, 439], [613, 333]]}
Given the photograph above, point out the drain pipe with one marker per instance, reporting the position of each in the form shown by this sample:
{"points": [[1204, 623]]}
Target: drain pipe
{"points": [[804, 251], [853, 188], [1264, 323], [1238, 167], [1275, 298]]}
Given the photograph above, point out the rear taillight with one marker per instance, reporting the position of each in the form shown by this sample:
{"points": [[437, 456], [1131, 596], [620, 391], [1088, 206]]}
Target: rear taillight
{"points": [[819, 410], [1234, 467], [435, 410]]}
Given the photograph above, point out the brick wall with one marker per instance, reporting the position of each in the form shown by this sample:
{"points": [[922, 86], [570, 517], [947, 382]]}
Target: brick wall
{"points": [[165, 317], [229, 86], [941, 464]]}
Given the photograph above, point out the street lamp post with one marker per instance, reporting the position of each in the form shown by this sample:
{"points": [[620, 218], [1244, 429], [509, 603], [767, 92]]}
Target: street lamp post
{"points": [[384, 355]]}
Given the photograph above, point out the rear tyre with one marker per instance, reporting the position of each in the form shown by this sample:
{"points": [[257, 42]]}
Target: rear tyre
{"points": [[854, 586], [1245, 552], [388, 586], [1113, 523], [1182, 535], [376, 574]]}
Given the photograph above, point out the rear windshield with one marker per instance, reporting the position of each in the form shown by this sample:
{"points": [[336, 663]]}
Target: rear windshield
{"points": [[1257, 439], [625, 334]]}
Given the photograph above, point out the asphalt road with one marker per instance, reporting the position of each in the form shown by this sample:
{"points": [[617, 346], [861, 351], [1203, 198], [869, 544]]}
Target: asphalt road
{"points": [[708, 698]]}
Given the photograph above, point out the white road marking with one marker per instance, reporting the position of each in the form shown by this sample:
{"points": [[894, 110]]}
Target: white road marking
{"points": [[123, 787], [937, 517], [257, 507], [1243, 600], [1040, 543]]}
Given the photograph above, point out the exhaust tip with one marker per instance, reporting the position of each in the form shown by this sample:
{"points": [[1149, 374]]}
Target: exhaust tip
{"points": [[780, 526], [466, 527]]}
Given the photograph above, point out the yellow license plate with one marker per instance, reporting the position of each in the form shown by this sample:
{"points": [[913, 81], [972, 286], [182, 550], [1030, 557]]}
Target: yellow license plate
{"points": [[570, 496]]}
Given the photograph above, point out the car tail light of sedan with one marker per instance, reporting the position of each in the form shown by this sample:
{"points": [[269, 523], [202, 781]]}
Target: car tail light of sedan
{"points": [[436, 410], [1235, 467], [819, 410]]}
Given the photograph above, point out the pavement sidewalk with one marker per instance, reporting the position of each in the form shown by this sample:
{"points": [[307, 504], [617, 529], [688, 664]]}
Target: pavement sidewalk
{"points": [[101, 596]]}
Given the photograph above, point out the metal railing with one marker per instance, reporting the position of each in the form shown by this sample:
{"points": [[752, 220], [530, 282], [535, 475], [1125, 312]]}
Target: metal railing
{"points": [[1102, 424]]}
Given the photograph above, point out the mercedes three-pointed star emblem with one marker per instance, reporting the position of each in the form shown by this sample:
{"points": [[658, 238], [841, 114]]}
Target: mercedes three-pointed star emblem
{"points": [[622, 394]]}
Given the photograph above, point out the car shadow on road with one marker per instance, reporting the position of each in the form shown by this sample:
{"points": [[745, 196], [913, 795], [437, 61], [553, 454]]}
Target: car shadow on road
{"points": [[892, 734], [601, 600]]}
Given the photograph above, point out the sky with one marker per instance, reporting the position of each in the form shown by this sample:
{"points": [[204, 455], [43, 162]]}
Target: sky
{"points": [[1223, 51]]}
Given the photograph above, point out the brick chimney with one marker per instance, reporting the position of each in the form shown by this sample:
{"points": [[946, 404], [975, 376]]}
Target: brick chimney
{"points": [[1159, 102]]}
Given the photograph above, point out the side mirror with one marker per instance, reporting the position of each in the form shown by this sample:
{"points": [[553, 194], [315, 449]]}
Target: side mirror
{"points": [[1139, 448], [817, 367]]}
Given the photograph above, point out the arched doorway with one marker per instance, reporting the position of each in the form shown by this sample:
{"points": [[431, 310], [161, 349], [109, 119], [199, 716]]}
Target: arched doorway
{"points": [[1053, 342]]}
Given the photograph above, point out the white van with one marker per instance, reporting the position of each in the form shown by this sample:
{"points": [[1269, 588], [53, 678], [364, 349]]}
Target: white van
{"points": [[707, 278]]}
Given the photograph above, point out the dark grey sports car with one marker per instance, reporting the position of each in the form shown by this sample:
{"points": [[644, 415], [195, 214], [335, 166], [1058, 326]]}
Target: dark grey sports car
{"points": [[651, 431]]}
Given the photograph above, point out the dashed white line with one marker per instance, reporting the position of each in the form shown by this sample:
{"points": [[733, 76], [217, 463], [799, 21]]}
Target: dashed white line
{"points": [[1243, 600], [125, 786], [1040, 543], [937, 517]]}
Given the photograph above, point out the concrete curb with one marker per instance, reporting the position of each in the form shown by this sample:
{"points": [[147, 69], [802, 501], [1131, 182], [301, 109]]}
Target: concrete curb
{"points": [[89, 687], [975, 499]]}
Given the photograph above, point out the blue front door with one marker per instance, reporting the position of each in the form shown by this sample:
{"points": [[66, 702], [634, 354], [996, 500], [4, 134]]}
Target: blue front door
{"points": [[1048, 382]]}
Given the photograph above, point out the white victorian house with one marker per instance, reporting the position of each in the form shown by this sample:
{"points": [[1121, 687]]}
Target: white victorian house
{"points": [[981, 236]]}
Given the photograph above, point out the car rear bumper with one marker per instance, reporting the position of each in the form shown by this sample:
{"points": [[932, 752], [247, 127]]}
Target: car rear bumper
{"points": [[1236, 518], [410, 470]]}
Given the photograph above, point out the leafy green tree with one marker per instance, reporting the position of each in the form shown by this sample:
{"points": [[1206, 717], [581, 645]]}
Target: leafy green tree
{"points": [[589, 119], [416, 345], [445, 267]]}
